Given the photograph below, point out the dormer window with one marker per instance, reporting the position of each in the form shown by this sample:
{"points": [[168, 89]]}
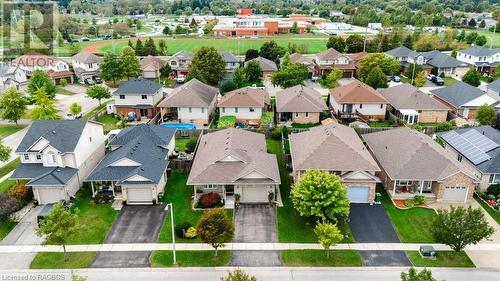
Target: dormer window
{"points": [[26, 157], [144, 97], [38, 157], [122, 97]]}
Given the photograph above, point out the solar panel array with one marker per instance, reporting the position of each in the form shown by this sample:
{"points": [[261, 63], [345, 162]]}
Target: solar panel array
{"points": [[472, 144]]}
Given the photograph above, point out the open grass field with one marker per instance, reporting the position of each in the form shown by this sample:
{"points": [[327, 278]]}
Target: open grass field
{"points": [[443, 259], [52, 260], [191, 258], [491, 37]]}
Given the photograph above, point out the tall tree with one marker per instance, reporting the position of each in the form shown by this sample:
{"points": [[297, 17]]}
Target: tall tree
{"points": [[320, 194], [98, 92], [252, 72], [388, 65], [39, 80], [486, 115], [139, 48], [294, 28], [251, 54], [354, 43], [472, 77], [239, 77], [129, 64], [207, 65], [376, 78], [4, 152], [13, 105], [45, 107], [331, 80], [328, 235], [459, 227], [110, 68], [272, 51], [162, 47], [290, 74], [336, 42], [215, 228], [150, 48]]}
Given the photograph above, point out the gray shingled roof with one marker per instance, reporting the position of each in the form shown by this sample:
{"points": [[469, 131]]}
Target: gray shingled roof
{"points": [[406, 96], [138, 87], [61, 134], [265, 64], [492, 165], [479, 51], [43, 176], [458, 94], [494, 86], [438, 59], [143, 144], [401, 52], [300, 99], [228, 57], [193, 93], [86, 57]]}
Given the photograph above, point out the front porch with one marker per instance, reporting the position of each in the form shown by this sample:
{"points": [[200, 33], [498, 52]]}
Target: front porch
{"points": [[109, 186], [229, 192], [405, 189]]}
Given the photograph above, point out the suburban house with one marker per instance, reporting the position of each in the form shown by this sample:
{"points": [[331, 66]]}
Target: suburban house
{"points": [[267, 67], [85, 65], [193, 102], [179, 62], [56, 68], [337, 149], [150, 67], [299, 104], [331, 59], [463, 99], [135, 169], [57, 155], [478, 149], [235, 161], [232, 62], [409, 104], [306, 61], [413, 163], [428, 60], [246, 104], [482, 58], [139, 96], [12, 76], [356, 99], [494, 88]]}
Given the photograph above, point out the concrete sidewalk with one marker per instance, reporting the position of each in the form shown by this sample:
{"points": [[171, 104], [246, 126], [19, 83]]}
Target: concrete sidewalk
{"points": [[235, 247]]}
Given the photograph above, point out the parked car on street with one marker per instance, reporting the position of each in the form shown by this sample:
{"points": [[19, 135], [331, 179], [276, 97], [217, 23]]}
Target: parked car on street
{"points": [[438, 81], [430, 77], [97, 79]]}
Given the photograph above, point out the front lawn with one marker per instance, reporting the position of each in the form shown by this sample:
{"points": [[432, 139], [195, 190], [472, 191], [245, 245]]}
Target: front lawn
{"points": [[293, 228], [191, 258], [94, 111], [52, 260], [443, 259], [94, 220], [109, 121], [179, 194], [494, 214], [449, 81], [412, 225], [62, 91], [320, 258], [5, 227], [7, 130], [9, 167], [6, 185]]}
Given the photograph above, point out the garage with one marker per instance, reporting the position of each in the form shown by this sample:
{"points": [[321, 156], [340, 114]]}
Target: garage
{"points": [[358, 194], [139, 195], [455, 194], [48, 195], [254, 194]]}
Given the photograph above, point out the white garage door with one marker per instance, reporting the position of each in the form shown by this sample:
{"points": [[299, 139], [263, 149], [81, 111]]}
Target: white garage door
{"points": [[358, 194], [254, 194], [49, 195], [455, 194], [139, 196]]}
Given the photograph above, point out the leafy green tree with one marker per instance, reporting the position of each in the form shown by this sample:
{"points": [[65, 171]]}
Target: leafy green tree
{"points": [[376, 78], [63, 82], [215, 228], [150, 48], [139, 48], [461, 36], [250, 54], [165, 71], [228, 86], [413, 275], [110, 68], [252, 72], [166, 30], [98, 92], [336, 42], [4, 152], [459, 227], [328, 235], [239, 77], [75, 109], [45, 107], [486, 115], [331, 80], [472, 77], [13, 105], [354, 43], [58, 226], [471, 37], [162, 47], [129, 63], [207, 65], [290, 74], [272, 51], [389, 66], [39, 80], [238, 275], [481, 40], [294, 28], [408, 42], [320, 194], [419, 80]]}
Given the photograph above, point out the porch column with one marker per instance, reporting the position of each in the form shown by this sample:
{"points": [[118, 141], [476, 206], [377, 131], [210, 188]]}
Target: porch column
{"points": [[92, 185], [421, 187], [394, 188], [161, 115], [113, 188]]}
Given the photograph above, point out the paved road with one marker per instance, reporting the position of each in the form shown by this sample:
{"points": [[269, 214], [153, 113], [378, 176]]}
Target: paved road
{"points": [[262, 274], [64, 101], [255, 223], [135, 224]]}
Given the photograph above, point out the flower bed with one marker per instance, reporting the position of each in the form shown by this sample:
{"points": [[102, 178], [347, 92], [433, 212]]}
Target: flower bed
{"points": [[490, 200]]}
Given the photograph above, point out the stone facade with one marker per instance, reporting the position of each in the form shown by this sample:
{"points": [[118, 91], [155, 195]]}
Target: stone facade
{"points": [[372, 185], [305, 117], [433, 116], [459, 179]]}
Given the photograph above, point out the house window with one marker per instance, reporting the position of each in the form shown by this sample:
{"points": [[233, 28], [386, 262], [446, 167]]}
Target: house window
{"points": [[210, 186], [38, 157], [403, 183], [381, 105], [26, 157], [90, 139], [223, 110], [235, 110], [122, 97], [494, 178], [252, 109], [173, 63], [51, 158], [190, 110], [459, 158], [296, 114], [307, 114], [202, 110], [360, 106], [144, 97]]}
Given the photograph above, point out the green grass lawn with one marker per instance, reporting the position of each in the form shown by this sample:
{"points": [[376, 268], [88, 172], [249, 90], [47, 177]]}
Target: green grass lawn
{"points": [[301, 126], [63, 91], [449, 81], [191, 258], [292, 228], [109, 121], [52, 260], [7, 130], [379, 124], [320, 258], [91, 113], [494, 214], [6, 185], [180, 144], [412, 225], [490, 37], [94, 220], [5, 227], [443, 259], [179, 194], [9, 167]]}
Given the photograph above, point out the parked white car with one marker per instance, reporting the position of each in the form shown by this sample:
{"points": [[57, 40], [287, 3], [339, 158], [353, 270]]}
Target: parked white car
{"points": [[181, 78]]}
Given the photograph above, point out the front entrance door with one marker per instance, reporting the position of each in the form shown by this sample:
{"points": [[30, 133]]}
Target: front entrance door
{"points": [[230, 190], [348, 108], [144, 112]]}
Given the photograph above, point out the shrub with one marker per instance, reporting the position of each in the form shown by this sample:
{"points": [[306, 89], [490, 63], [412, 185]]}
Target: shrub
{"points": [[445, 126], [228, 86], [209, 200], [63, 82], [21, 192], [409, 203], [276, 134], [441, 74], [494, 189], [267, 118], [191, 233], [8, 205], [104, 198], [227, 121], [419, 200], [182, 228], [191, 145]]}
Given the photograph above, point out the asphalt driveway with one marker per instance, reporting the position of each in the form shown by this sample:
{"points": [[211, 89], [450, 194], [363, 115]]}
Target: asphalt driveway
{"points": [[255, 223], [370, 224], [384, 258], [135, 224]]}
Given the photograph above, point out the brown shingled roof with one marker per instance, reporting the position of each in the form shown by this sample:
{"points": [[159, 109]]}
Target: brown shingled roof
{"points": [[245, 97], [406, 96], [356, 92], [329, 54], [300, 99], [193, 93]]}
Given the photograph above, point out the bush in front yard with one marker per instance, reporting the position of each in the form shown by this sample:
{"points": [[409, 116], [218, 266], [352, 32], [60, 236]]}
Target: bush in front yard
{"points": [[209, 200], [21, 192], [182, 228], [8, 205], [104, 198], [494, 189], [191, 233]]}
